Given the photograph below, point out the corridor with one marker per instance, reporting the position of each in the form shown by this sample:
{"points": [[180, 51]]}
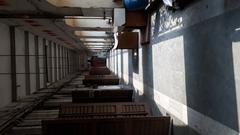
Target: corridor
{"points": [[119, 67]]}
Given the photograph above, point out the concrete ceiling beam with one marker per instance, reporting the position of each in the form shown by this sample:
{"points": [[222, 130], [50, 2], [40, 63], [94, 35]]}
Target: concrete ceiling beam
{"points": [[38, 9], [87, 3]]}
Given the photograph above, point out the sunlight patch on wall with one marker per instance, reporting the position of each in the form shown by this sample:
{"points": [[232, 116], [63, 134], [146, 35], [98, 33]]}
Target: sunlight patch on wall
{"points": [[169, 76], [138, 75], [238, 29], [236, 63], [119, 64], [126, 66]]}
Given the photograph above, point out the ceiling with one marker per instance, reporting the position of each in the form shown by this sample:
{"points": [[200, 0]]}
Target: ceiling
{"points": [[87, 3], [77, 24]]}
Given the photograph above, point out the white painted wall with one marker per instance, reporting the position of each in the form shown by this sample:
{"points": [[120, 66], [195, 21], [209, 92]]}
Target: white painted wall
{"points": [[49, 64], [53, 62], [32, 62], [41, 61], [5, 66], [20, 63], [58, 62]]}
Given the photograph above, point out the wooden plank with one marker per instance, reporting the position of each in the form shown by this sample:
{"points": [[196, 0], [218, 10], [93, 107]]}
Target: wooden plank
{"points": [[98, 62], [99, 71], [103, 109], [101, 80], [108, 126], [94, 96]]}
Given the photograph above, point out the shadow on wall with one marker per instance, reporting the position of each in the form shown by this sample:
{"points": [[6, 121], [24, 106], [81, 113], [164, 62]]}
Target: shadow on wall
{"points": [[148, 85], [209, 63]]}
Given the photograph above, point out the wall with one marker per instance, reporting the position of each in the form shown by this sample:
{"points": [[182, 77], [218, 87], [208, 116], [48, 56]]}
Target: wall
{"points": [[20, 63], [190, 70], [5, 66], [41, 62], [32, 63], [38, 60]]}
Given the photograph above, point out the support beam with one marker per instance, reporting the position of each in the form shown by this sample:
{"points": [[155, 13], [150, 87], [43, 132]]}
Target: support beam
{"points": [[101, 37], [97, 39], [68, 61], [99, 46], [55, 60], [50, 65], [80, 28], [13, 63], [45, 80], [37, 62], [87, 4], [60, 62], [44, 63], [42, 10], [27, 65], [100, 42], [63, 62]]}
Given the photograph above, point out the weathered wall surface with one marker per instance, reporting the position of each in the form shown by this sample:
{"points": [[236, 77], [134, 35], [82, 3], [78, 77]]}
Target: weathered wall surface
{"points": [[5, 66]]}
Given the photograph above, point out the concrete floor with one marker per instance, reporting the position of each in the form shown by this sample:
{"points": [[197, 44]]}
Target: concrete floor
{"points": [[49, 109]]}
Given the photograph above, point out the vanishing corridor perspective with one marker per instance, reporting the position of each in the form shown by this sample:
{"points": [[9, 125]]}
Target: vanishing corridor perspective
{"points": [[119, 67]]}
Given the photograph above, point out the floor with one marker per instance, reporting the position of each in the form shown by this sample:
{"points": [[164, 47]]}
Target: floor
{"points": [[31, 123]]}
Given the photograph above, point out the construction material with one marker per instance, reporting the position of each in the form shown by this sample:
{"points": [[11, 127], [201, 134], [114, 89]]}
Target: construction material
{"points": [[128, 40], [100, 71], [106, 110], [94, 96], [107, 126], [101, 80], [98, 62]]}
